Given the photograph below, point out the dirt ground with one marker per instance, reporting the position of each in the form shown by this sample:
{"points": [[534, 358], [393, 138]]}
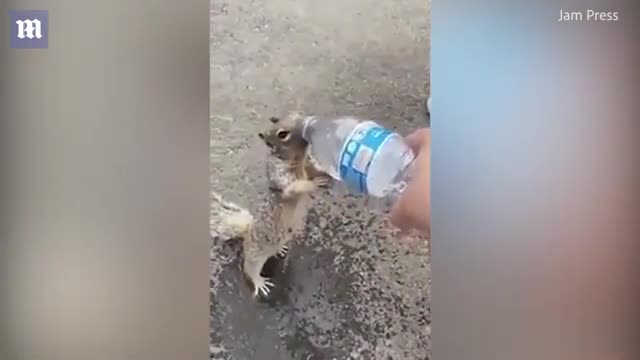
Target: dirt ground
{"points": [[350, 289]]}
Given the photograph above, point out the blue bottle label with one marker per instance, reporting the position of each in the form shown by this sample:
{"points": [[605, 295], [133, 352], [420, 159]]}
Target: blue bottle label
{"points": [[358, 153]]}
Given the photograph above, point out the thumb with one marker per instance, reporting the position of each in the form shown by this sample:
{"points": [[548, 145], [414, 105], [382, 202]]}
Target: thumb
{"points": [[400, 216]]}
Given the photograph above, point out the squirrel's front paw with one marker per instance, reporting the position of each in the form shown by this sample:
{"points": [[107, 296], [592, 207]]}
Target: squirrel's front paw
{"points": [[322, 181], [282, 253], [299, 187]]}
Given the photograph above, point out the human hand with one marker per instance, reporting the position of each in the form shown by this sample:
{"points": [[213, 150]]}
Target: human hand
{"points": [[413, 208]]}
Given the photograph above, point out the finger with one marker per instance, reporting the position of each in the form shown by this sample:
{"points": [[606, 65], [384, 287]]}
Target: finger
{"points": [[405, 220], [412, 209], [418, 139], [400, 217]]}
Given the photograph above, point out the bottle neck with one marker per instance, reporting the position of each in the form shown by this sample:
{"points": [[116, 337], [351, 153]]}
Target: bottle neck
{"points": [[307, 125]]}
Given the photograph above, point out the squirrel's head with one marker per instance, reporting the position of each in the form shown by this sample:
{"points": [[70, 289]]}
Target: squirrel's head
{"points": [[284, 137]]}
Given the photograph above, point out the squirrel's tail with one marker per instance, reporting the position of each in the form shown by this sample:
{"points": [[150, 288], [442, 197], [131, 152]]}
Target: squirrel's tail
{"points": [[238, 224], [228, 220]]}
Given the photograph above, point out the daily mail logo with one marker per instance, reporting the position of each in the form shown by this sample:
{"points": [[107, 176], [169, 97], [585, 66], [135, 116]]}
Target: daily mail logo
{"points": [[29, 29]]}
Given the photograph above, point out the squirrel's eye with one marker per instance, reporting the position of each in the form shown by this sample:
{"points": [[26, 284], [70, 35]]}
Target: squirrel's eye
{"points": [[283, 134]]}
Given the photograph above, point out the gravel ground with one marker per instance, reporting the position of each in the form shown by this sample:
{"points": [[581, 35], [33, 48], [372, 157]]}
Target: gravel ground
{"points": [[350, 289]]}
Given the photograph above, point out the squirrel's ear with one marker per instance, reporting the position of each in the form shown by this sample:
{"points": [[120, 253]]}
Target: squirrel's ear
{"points": [[274, 119]]}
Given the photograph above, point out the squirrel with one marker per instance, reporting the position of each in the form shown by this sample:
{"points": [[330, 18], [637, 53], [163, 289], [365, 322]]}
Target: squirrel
{"points": [[281, 214]]}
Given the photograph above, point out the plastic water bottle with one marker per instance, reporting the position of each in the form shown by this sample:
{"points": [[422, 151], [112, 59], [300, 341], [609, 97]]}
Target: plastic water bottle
{"points": [[368, 158]]}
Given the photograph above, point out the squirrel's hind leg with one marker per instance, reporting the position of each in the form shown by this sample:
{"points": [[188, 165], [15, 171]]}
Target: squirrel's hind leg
{"points": [[253, 265]]}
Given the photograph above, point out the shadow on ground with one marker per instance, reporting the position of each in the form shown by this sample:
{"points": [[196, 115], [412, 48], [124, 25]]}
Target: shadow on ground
{"points": [[344, 292]]}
